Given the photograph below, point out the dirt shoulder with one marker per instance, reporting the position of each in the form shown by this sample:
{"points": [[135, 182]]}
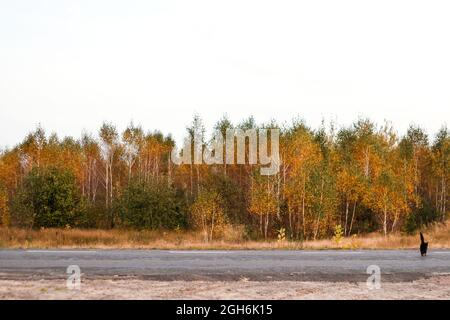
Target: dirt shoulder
{"points": [[432, 288]]}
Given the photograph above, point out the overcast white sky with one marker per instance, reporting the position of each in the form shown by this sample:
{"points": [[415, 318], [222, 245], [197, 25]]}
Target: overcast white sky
{"points": [[70, 65]]}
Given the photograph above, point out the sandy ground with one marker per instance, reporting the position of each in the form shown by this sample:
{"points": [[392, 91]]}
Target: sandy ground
{"points": [[433, 288]]}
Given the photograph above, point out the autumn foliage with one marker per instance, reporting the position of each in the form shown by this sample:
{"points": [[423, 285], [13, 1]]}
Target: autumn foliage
{"points": [[363, 178]]}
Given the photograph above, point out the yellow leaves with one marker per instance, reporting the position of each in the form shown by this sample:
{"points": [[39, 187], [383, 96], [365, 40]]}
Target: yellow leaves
{"points": [[208, 214], [349, 184], [304, 153], [262, 198], [8, 169], [304, 157], [4, 210], [323, 175]]}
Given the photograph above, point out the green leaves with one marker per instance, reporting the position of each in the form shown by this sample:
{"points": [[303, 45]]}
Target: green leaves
{"points": [[150, 206], [49, 198]]}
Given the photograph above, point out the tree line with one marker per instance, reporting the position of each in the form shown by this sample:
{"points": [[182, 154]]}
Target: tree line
{"points": [[363, 178]]}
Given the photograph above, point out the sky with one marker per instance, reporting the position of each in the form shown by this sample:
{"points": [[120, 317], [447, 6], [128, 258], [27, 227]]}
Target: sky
{"points": [[70, 65]]}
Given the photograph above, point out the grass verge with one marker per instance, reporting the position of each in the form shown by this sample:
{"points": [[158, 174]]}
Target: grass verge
{"points": [[438, 235]]}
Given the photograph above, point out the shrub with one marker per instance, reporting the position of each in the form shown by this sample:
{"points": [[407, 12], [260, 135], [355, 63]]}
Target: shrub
{"points": [[47, 198], [281, 234], [423, 216], [150, 206], [208, 213], [338, 234]]}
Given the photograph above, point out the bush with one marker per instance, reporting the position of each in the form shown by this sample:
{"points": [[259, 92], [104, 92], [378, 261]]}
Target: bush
{"points": [[232, 197], [208, 215], [150, 206], [422, 216], [338, 234], [281, 234], [47, 198]]}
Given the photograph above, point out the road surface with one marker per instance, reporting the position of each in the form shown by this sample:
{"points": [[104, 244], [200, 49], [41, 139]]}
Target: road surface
{"points": [[395, 265]]}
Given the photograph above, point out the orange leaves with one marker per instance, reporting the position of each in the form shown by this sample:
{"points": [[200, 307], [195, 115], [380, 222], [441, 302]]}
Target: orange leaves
{"points": [[4, 209], [361, 177], [262, 197]]}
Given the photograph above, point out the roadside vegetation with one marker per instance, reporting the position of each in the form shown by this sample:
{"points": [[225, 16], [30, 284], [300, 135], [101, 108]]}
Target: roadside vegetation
{"points": [[231, 239], [358, 186]]}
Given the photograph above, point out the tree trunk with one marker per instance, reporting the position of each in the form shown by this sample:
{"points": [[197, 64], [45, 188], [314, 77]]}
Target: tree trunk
{"points": [[192, 181], [347, 203], [198, 179], [261, 224], [212, 228], [267, 226], [394, 223], [111, 182], [353, 219], [317, 227], [278, 196], [444, 198], [303, 207], [290, 221], [106, 185], [320, 206]]}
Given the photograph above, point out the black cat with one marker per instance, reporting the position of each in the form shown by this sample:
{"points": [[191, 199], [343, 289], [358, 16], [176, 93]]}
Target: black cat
{"points": [[423, 246]]}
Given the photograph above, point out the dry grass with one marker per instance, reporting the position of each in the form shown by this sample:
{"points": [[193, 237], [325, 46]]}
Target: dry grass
{"points": [[438, 235]]}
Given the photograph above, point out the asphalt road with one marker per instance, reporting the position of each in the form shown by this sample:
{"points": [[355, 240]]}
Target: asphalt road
{"points": [[395, 265]]}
